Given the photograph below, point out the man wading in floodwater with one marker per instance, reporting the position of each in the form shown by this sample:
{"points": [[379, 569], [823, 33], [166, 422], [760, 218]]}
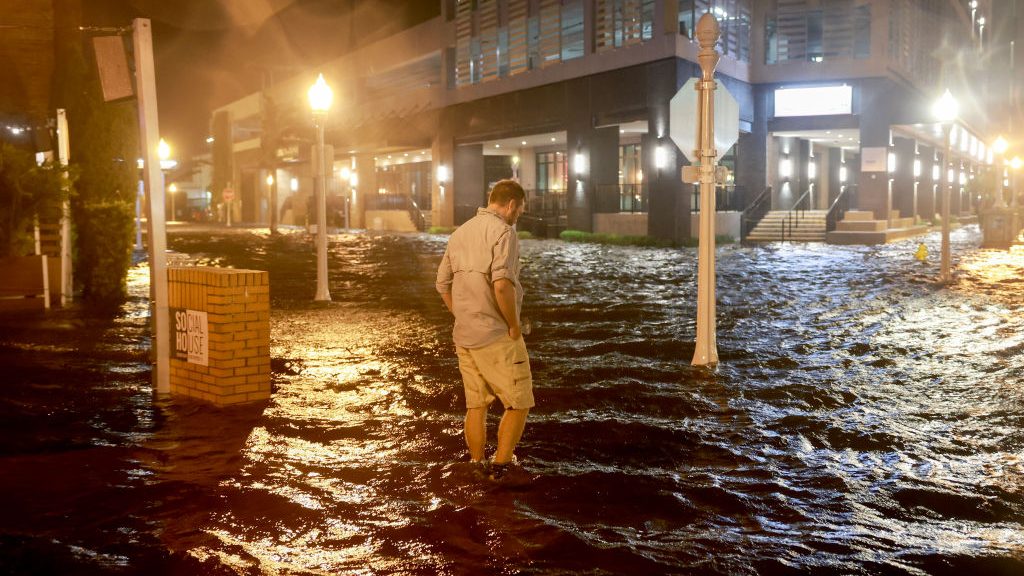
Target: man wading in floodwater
{"points": [[479, 282]]}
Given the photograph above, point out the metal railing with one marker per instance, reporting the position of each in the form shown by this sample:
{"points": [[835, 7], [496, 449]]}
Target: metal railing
{"points": [[838, 208], [621, 198], [795, 214], [546, 204], [726, 198], [398, 202], [754, 212]]}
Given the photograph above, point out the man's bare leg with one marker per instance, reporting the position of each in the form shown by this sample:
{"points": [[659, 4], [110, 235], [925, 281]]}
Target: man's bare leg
{"points": [[509, 431], [476, 432]]}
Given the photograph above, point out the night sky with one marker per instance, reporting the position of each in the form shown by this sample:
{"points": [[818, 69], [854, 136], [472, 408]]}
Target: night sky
{"points": [[210, 52]]}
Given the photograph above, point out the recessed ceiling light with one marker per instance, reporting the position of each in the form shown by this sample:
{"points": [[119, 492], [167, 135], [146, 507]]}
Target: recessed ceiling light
{"points": [[524, 142], [552, 138], [497, 145]]}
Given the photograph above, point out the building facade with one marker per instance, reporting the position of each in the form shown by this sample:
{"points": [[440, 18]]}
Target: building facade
{"points": [[572, 98]]}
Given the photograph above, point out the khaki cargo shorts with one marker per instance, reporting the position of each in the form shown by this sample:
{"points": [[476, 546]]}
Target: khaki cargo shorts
{"points": [[500, 369]]}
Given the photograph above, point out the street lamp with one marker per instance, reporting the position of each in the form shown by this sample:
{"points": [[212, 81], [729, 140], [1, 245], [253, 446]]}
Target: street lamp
{"points": [[320, 96], [163, 151], [171, 190], [945, 111]]}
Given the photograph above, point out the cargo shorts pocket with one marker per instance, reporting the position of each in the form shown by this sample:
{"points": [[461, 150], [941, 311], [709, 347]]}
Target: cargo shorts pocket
{"points": [[521, 363]]}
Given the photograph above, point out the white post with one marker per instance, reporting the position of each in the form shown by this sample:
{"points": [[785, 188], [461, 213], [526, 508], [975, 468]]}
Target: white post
{"points": [[944, 274], [323, 293], [138, 214], [149, 133], [63, 155], [706, 350]]}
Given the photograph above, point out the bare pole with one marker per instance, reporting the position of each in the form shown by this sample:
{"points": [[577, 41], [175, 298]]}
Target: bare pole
{"points": [[944, 273], [149, 132], [706, 349], [63, 156]]}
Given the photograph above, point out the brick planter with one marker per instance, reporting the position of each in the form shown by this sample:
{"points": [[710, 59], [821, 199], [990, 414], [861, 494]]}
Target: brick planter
{"points": [[220, 342]]}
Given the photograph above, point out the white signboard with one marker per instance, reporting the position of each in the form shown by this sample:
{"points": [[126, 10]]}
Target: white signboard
{"points": [[191, 336], [874, 159], [815, 101]]}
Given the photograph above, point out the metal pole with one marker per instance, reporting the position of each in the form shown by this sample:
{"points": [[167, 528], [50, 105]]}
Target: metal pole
{"points": [[706, 349], [322, 292], [63, 154], [944, 275], [138, 214], [149, 128]]}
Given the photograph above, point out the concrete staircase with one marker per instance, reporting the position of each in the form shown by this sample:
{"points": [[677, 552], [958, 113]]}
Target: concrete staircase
{"points": [[861, 227], [808, 226]]}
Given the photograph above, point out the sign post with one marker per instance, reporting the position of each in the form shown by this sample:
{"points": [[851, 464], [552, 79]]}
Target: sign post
{"points": [[694, 106]]}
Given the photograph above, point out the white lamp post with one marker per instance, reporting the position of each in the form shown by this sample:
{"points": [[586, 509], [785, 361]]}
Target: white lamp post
{"points": [[945, 111], [320, 96]]}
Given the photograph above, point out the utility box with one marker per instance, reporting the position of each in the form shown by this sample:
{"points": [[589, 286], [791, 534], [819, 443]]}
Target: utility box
{"points": [[220, 334], [998, 228]]}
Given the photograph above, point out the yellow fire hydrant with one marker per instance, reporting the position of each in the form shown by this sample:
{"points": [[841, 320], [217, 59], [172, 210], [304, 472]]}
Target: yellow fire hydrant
{"points": [[922, 252]]}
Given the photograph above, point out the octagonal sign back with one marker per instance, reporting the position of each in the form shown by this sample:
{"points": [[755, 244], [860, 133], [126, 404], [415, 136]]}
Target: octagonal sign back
{"points": [[683, 119]]}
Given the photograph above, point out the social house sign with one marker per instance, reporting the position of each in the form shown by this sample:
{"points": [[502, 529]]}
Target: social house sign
{"points": [[191, 336]]}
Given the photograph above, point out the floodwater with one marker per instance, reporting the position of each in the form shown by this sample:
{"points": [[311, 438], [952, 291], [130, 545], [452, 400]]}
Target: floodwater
{"points": [[862, 421]]}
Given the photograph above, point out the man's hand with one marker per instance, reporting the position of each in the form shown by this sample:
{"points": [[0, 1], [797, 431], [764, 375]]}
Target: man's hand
{"points": [[447, 297], [505, 294]]}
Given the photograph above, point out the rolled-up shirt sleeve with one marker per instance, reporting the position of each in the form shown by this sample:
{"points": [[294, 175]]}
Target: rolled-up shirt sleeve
{"points": [[444, 275], [504, 254]]}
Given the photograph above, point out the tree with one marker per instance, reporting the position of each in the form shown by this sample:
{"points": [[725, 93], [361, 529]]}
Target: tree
{"points": [[27, 190], [104, 146]]}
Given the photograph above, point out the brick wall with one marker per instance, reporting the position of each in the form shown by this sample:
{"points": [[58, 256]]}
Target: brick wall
{"points": [[237, 303]]}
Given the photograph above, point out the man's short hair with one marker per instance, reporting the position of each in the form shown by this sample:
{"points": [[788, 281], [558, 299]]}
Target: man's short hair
{"points": [[505, 190]]}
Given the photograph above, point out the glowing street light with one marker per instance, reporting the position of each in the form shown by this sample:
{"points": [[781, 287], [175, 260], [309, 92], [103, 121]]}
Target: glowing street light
{"points": [[320, 97], [163, 151], [945, 111], [1000, 145]]}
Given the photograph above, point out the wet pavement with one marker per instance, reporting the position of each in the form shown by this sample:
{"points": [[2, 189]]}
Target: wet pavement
{"points": [[862, 421]]}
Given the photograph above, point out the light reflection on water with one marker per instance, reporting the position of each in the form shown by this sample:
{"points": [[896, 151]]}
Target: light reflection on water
{"points": [[863, 419]]}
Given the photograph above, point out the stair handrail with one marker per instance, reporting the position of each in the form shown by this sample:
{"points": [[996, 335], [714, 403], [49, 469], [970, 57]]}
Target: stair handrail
{"points": [[794, 213], [416, 214], [755, 212], [838, 209]]}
